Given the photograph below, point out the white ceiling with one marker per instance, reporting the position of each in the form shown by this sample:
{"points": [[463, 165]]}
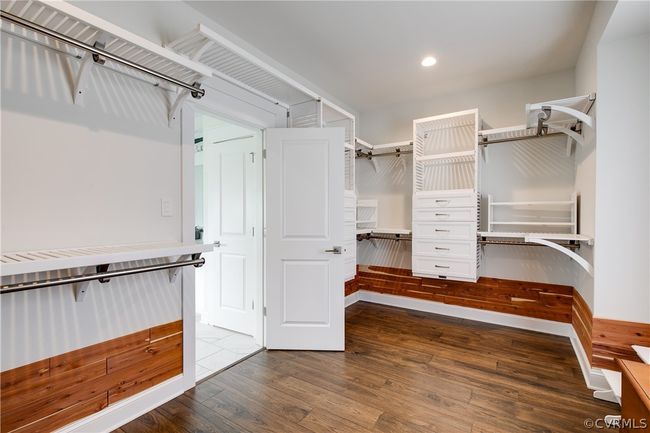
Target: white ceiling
{"points": [[368, 54]]}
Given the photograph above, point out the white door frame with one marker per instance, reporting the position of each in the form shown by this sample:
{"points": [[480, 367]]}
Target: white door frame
{"points": [[229, 102]]}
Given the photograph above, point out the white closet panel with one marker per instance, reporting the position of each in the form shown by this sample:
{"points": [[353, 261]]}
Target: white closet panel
{"points": [[445, 196]]}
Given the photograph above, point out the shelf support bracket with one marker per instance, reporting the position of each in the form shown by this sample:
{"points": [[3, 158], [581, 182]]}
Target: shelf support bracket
{"points": [[583, 117], [87, 63], [175, 108], [573, 255], [80, 289], [173, 272]]}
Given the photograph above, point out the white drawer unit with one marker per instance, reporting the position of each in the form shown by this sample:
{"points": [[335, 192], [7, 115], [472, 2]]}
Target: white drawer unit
{"points": [[443, 268], [444, 249], [445, 214], [453, 200], [446, 200], [444, 230]]}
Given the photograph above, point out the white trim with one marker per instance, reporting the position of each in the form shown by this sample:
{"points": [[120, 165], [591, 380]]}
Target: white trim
{"points": [[115, 416], [594, 378], [521, 322], [352, 298]]}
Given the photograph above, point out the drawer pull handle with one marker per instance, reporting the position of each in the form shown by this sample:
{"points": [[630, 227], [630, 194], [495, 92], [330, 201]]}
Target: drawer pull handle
{"points": [[443, 267], [442, 214], [442, 248], [441, 230], [442, 201]]}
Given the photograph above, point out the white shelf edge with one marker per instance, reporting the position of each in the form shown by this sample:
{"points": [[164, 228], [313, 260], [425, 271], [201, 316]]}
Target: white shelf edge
{"points": [[384, 231], [451, 155], [531, 223], [532, 203], [549, 236], [92, 256]]}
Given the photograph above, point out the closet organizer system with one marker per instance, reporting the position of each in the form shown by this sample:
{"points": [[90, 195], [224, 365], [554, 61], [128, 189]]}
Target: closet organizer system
{"points": [[448, 151], [177, 69]]}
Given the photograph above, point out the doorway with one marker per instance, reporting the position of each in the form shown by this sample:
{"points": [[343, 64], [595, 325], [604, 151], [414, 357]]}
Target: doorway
{"points": [[228, 213]]}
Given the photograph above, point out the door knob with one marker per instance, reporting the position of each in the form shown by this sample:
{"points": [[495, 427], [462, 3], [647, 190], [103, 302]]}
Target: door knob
{"points": [[335, 250]]}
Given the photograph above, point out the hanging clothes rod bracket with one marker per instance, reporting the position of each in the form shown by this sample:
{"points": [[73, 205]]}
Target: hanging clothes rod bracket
{"points": [[102, 274], [195, 88]]}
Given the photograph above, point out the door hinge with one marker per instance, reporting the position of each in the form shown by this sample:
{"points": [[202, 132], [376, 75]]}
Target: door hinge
{"points": [[264, 153], [264, 311], [252, 157], [253, 304], [253, 231]]}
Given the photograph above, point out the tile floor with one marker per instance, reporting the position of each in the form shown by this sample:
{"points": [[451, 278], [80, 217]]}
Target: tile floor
{"points": [[218, 348]]}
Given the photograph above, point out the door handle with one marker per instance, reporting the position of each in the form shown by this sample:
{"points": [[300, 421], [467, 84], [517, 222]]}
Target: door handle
{"points": [[218, 244], [335, 250]]}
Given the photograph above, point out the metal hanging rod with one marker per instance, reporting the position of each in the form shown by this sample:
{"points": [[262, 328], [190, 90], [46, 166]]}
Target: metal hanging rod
{"points": [[369, 155], [397, 237], [103, 277], [483, 141], [195, 88]]}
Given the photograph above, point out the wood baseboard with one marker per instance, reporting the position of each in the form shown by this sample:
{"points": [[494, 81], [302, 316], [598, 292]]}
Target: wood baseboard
{"points": [[48, 394], [522, 298], [582, 321]]}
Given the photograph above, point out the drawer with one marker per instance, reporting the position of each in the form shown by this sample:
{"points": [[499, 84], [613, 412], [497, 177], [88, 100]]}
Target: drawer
{"points": [[447, 200], [440, 267], [444, 249], [444, 230], [446, 214]]}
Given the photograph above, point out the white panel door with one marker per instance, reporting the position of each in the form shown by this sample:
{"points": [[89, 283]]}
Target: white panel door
{"points": [[233, 220], [304, 208]]}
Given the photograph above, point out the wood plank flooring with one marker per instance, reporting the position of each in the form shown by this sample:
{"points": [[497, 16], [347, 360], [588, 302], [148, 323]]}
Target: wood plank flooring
{"points": [[402, 371]]}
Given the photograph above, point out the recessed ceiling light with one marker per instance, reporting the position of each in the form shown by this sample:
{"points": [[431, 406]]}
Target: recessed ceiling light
{"points": [[429, 61]]}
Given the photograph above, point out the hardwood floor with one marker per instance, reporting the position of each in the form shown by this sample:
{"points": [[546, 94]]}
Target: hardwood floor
{"points": [[402, 371]]}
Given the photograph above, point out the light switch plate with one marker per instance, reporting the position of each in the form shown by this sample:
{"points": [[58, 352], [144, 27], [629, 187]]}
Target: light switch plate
{"points": [[165, 207]]}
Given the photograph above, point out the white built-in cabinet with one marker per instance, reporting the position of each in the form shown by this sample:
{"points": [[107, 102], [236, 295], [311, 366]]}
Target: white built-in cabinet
{"points": [[446, 196], [323, 114]]}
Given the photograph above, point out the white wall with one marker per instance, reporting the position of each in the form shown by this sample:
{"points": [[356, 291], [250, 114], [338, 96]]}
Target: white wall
{"points": [[74, 176], [585, 156], [525, 170], [622, 255]]}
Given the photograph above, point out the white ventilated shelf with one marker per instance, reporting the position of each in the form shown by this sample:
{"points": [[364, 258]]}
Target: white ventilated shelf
{"points": [[82, 26], [231, 62], [533, 203], [547, 236], [532, 223], [26, 262], [461, 156], [520, 132]]}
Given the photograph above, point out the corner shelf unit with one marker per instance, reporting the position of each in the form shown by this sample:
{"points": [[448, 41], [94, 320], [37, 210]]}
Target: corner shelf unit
{"points": [[558, 213], [367, 214], [24, 263]]}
